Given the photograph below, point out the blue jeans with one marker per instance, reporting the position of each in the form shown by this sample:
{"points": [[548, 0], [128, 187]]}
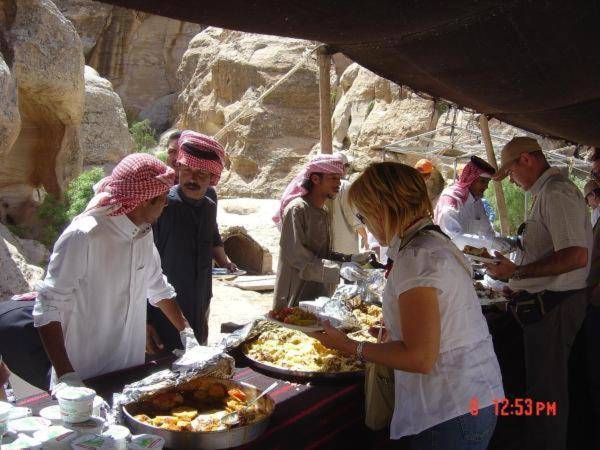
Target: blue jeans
{"points": [[466, 432]]}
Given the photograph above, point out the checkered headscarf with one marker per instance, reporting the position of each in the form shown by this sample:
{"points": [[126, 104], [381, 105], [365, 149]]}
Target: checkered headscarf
{"points": [[137, 178], [199, 151]]}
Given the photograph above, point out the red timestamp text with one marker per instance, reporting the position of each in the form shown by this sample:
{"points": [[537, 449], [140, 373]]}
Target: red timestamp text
{"points": [[518, 407]]}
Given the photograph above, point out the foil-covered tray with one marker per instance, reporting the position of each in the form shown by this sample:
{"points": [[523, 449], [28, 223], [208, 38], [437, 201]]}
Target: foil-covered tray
{"points": [[212, 440]]}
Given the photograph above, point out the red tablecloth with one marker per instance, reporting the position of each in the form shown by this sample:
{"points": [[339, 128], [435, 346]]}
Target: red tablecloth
{"points": [[314, 414]]}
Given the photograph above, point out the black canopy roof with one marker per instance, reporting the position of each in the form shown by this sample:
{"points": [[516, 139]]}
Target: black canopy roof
{"points": [[534, 64]]}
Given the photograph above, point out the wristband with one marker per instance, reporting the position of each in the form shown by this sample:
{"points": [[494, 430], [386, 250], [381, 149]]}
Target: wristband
{"points": [[359, 351]]}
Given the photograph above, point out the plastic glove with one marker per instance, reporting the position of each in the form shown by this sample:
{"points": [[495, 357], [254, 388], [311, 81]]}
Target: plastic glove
{"points": [[361, 258], [504, 244], [70, 379], [188, 339]]}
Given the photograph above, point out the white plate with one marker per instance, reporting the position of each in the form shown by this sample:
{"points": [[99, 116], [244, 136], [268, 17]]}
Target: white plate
{"points": [[304, 329], [481, 259], [237, 273]]}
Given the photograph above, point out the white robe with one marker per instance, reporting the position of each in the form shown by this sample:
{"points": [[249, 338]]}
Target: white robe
{"points": [[101, 273]]}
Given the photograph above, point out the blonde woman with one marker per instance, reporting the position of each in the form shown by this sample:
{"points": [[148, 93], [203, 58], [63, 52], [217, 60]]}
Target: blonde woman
{"points": [[447, 376]]}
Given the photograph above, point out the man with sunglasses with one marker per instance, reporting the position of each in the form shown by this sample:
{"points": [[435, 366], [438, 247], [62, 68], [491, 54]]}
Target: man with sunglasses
{"points": [[549, 276]]}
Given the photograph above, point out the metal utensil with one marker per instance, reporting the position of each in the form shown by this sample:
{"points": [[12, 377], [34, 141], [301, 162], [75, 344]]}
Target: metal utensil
{"points": [[233, 418]]}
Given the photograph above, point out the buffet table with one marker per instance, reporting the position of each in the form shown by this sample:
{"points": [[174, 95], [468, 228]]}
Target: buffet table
{"points": [[310, 415]]}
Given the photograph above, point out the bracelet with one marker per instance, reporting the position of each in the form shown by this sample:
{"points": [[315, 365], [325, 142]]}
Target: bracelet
{"points": [[359, 351]]}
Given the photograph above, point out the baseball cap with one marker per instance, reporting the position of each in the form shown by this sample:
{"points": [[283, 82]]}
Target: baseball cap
{"points": [[512, 150], [424, 166]]}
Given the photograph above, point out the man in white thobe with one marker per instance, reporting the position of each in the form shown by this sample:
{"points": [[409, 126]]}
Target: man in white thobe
{"points": [[460, 212], [91, 307]]}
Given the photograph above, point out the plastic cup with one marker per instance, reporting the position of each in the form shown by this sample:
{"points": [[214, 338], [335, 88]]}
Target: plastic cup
{"points": [[93, 442], [56, 437], [52, 413], [28, 425], [4, 413], [23, 441], [145, 441], [93, 426], [76, 403], [120, 434]]}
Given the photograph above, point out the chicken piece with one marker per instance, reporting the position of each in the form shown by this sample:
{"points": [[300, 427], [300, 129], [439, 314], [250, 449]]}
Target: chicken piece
{"points": [[167, 400], [184, 412], [160, 420], [142, 418], [217, 390]]}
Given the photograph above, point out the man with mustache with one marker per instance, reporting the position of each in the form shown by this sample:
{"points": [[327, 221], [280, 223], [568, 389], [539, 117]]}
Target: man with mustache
{"points": [[185, 236], [307, 267], [219, 254]]}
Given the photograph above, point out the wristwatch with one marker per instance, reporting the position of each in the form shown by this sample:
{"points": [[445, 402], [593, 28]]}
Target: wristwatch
{"points": [[517, 274]]}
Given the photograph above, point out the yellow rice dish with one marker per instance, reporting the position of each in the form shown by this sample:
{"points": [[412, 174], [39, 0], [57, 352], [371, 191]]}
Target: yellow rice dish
{"points": [[290, 349]]}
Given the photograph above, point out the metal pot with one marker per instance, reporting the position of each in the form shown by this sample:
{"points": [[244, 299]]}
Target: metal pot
{"points": [[232, 437]]}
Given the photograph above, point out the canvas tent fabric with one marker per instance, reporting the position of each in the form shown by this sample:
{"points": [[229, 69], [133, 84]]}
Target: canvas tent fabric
{"points": [[533, 64]]}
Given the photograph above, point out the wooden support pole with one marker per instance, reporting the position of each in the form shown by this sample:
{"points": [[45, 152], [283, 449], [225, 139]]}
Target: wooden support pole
{"points": [[500, 201], [324, 61]]}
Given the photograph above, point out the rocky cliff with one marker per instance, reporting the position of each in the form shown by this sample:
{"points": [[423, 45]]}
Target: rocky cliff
{"points": [[139, 53]]}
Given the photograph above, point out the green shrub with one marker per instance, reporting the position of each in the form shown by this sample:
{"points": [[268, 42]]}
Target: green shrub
{"points": [[53, 213], [162, 155], [57, 214], [144, 137], [515, 204], [80, 191]]}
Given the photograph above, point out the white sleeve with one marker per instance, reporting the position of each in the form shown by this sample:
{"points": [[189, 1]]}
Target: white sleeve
{"points": [[486, 227], [449, 221], [68, 264], [158, 286]]}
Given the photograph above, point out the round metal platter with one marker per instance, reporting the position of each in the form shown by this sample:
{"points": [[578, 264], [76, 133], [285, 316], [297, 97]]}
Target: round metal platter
{"points": [[210, 440], [281, 372]]}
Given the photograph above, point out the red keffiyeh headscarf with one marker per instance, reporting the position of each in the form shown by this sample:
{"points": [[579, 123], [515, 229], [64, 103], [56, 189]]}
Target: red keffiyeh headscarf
{"points": [[138, 177], [457, 194], [319, 164], [199, 151]]}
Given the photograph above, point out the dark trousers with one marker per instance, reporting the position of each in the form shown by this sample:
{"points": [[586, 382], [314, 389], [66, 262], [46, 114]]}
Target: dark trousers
{"points": [[547, 347], [20, 344], [592, 344]]}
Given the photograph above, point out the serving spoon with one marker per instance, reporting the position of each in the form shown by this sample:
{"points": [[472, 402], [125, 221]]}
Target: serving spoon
{"points": [[233, 418]]}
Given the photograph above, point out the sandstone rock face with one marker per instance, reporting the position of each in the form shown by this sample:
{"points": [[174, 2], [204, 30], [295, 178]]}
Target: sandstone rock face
{"points": [[222, 73], [373, 111], [18, 274], [44, 55], [159, 113], [89, 18], [139, 53], [105, 137]]}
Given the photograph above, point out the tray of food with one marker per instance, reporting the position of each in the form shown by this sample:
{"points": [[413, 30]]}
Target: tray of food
{"points": [[286, 352], [478, 254], [189, 416], [488, 296], [295, 318]]}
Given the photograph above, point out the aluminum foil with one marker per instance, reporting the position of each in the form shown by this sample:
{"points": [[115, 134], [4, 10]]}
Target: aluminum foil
{"points": [[370, 282], [249, 331]]}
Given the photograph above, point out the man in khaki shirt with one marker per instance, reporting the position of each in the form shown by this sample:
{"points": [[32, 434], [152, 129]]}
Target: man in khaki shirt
{"points": [[552, 268]]}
